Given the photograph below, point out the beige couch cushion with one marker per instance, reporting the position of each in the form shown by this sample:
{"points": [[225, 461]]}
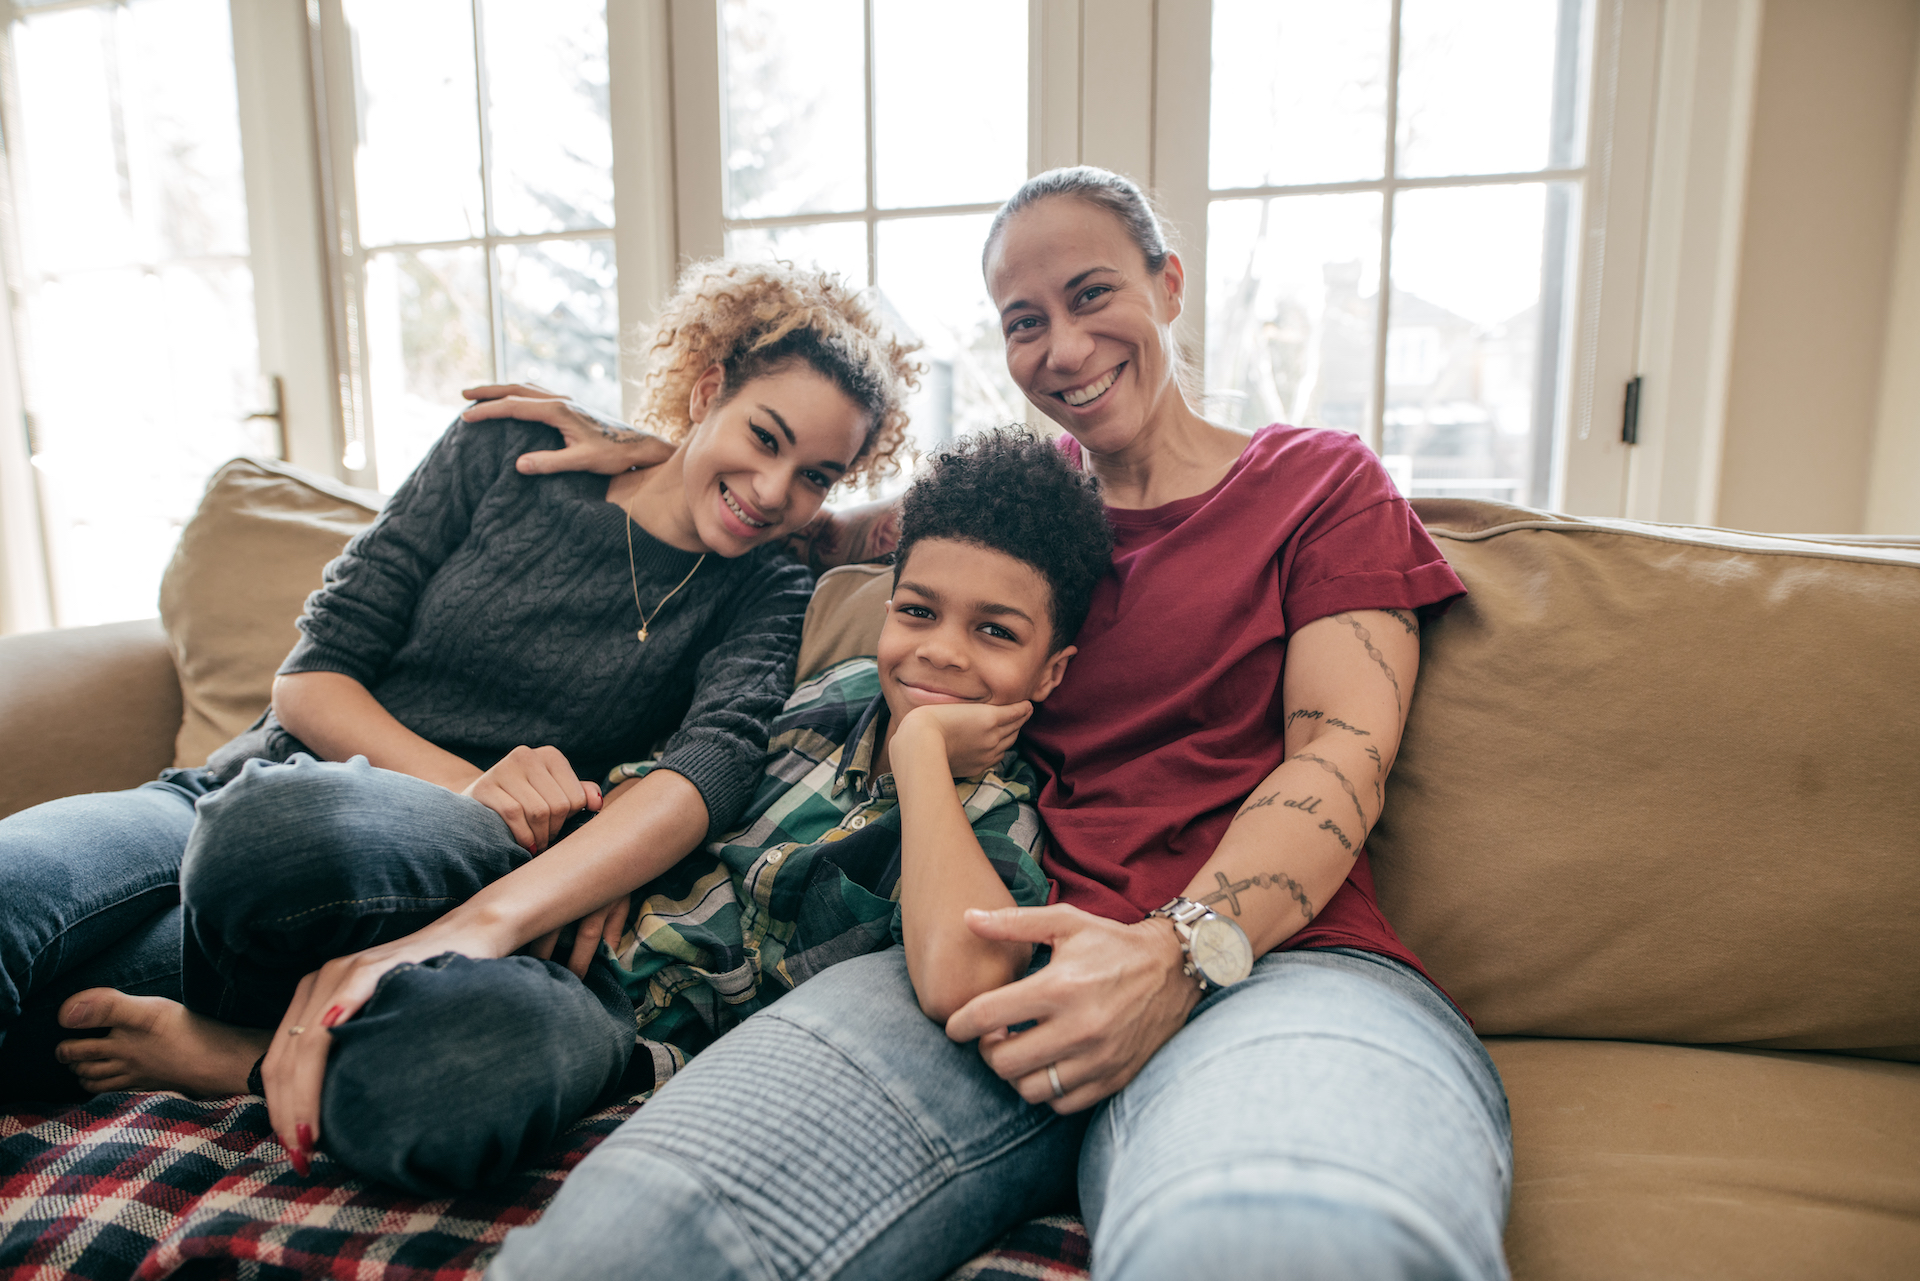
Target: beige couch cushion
{"points": [[844, 616], [1668, 1161], [242, 571], [1659, 784], [84, 709]]}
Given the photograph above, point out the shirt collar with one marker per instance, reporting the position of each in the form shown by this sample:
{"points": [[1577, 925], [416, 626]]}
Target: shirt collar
{"points": [[863, 744]]}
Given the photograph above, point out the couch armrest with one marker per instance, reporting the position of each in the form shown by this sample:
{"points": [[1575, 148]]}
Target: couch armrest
{"points": [[84, 709]]}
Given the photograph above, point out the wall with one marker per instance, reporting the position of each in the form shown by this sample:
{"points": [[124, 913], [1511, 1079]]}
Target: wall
{"points": [[1893, 485], [1833, 96]]}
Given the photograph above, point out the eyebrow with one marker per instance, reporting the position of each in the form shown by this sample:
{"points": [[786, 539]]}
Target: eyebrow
{"points": [[993, 609], [1072, 284], [774, 414]]}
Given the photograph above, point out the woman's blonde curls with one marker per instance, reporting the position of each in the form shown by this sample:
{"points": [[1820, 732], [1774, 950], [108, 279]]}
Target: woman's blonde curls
{"points": [[751, 318]]}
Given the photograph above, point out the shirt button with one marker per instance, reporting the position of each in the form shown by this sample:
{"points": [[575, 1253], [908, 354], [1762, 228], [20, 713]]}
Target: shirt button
{"points": [[774, 857], [857, 822]]}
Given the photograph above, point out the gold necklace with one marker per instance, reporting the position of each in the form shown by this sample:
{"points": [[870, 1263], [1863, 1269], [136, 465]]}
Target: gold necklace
{"points": [[646, 619]]}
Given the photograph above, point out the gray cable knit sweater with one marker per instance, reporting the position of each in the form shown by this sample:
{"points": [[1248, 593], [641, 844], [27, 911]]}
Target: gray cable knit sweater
{"points": [[485, 609]]}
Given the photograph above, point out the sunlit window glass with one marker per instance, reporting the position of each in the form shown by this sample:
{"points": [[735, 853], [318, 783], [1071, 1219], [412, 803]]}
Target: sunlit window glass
{"points": [[1472, 340], [138, 344], [417, 166], [930, 273], [1292, 307], [927, 58], [1299, 91], [839, 247], [795, 117], [427, 337], [1477, 85], [550, 167]]}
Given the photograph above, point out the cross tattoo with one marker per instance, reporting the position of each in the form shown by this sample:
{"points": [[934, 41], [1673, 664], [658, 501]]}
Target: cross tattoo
{"points": [[1229, 891]]}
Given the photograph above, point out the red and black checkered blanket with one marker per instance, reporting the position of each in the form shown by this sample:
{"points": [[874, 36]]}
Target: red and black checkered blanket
{"points": [[156, 1185]]}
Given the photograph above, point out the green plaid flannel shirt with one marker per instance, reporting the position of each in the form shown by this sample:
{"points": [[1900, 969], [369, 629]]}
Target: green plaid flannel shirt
{"points": [[811, 877]]}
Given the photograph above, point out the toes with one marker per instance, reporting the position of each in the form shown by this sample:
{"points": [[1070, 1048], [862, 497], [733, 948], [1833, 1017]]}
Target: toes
{"points": [[106, 1007], [110, 1070], [90, 1047]]}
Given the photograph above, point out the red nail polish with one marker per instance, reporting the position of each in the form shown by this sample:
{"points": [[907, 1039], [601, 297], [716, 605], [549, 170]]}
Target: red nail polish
{"points": [[304, 1133], [301, 1166], [332, 1016]]}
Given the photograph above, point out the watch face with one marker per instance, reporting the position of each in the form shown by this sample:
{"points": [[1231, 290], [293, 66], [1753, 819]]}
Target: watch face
{"points": [[1220, 951]]}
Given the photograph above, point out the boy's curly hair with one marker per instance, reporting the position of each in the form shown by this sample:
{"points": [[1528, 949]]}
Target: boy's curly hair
{"points": [[1009, 490], [751, 318]]}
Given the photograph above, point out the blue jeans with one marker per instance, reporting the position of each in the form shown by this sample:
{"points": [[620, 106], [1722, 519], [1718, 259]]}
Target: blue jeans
{"points": [[453, 1072], [1330, 1117]]}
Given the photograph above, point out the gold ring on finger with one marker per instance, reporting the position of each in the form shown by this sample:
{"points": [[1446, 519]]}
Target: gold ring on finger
{"points": [[1053, 1079]]}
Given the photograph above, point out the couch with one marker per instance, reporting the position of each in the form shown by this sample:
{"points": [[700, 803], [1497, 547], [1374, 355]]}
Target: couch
{"points": [[1655, 825]]}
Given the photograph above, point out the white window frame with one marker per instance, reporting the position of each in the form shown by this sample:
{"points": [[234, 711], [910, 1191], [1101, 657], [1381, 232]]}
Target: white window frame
{"points": [[1659, 242]]}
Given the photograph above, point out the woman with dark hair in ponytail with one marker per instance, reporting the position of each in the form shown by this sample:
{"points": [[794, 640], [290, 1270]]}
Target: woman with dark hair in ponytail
{"points": [[1227, 1052]]}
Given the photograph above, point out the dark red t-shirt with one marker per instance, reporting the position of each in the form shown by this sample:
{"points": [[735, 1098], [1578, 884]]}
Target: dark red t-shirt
{"points": [[1171, 713]]}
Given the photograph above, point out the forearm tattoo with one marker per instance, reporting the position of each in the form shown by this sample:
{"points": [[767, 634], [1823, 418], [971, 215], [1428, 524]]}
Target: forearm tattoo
{"points": [[1328, 825], [1365, 637], [1334, 770], [1405, 620], [1230, 891]]}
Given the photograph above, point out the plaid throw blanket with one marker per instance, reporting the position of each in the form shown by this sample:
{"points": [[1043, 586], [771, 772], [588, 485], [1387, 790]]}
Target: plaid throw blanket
{"points": [[156, 1185]]}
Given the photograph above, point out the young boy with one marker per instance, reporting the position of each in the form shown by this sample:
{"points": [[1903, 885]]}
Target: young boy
{"points": [[893, 797]]}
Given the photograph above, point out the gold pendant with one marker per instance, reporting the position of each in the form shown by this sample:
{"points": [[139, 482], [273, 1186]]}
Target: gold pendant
{"points": [[641, 635]]}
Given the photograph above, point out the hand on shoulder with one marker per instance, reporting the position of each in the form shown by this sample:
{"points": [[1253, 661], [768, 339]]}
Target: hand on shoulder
{"points": [[594, 442]]}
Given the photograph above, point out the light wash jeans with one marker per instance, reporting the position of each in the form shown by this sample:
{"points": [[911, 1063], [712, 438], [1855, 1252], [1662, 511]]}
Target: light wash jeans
{"points": [[1330, 1117], [454, 1071]]}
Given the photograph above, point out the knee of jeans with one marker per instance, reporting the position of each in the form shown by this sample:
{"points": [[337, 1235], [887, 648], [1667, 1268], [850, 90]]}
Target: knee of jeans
{"points": [[623, 1206], [255, 840], [458, 1070], [1227, 1235]]}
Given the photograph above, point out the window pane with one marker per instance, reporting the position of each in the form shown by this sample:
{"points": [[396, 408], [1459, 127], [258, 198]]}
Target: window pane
{"points": [[144, 378], [930, 276], [130, 135], [1299, 91], [552, 160], [1293, 290], [138, 366], [417, 169], [426, 340], [1473, 346], [1477, 84], [928, 58], [793, 77], [563, 322], [824, 246]]}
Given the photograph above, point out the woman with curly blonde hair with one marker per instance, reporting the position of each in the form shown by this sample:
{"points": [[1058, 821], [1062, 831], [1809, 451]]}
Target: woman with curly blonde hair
{"points": [[363, 928]]}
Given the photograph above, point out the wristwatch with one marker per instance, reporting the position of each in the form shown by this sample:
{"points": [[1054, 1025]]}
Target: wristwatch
{"points": [[1218, 954]]}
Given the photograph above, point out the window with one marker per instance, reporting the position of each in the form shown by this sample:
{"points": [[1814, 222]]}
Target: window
{"points": [[133, 318], [1436, 145], [1416, 220], [472, 169], [875, 138]]}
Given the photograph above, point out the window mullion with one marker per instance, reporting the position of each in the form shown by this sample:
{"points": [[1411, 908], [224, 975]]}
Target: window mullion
{"points": [[1376, 421], [334, 110], [489, 261], [873, 158]]}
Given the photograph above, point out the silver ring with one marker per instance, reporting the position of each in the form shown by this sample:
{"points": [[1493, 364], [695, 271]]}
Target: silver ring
{"points": [[1053, 1079], [296, 1029]]}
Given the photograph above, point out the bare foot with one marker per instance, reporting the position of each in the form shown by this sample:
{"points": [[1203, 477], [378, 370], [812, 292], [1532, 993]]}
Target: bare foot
{"points": [[156, 1044]]}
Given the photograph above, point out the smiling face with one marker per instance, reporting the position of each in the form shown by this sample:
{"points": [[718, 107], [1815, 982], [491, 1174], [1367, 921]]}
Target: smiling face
{"points": [[1088, 328], [967, 624], [758, 465]]}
